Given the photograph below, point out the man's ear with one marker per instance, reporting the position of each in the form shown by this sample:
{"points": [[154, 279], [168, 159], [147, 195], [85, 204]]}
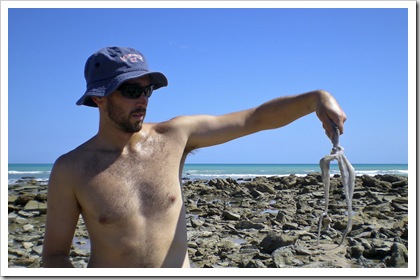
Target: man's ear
{"points": [[97, 99]]}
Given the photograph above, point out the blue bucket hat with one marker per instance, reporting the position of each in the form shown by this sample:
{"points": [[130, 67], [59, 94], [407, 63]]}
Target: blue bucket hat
{"points": [[110, 67]]}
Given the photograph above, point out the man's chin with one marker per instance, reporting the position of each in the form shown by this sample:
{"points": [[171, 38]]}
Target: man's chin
{"points": [[138, 127], [132, 128]]}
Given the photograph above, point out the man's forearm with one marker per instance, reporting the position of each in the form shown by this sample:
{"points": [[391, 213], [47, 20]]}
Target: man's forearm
{"points": [[284, 110]]}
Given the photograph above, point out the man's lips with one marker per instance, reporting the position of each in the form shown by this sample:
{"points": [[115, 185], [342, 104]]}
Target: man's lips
{"points": [[139, 114]]}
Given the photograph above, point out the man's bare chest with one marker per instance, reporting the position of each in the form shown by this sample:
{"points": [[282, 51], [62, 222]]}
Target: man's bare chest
{"points": [[137, 186]]}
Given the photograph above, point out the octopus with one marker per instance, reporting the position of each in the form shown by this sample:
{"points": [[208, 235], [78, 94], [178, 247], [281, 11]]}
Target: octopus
{"points": [[348, 179]]}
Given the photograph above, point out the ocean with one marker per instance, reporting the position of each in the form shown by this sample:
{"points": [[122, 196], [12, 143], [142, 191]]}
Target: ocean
{"points": [[41, 172]]}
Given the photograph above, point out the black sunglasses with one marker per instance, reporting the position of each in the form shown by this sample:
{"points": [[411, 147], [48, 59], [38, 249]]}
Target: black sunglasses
{"points": [[134, 91]]}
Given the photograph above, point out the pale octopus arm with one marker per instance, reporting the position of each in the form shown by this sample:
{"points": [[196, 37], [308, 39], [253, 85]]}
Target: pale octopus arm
{"points": [[348, 179]]}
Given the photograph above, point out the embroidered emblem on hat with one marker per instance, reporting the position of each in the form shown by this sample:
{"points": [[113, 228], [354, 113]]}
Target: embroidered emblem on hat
{"points": [[98, 91], [132, 57]]}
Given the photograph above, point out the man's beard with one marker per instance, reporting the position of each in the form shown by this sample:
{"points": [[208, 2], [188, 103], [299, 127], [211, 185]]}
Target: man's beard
{"points": [[116, 114]]}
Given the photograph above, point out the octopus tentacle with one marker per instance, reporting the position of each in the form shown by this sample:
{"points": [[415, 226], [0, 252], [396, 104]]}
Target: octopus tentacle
{"points": [[349, 188], [325, 174], [348, 180]]}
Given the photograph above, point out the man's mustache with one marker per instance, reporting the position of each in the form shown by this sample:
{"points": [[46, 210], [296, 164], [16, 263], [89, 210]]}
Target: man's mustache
{"points": [[139, 110]]}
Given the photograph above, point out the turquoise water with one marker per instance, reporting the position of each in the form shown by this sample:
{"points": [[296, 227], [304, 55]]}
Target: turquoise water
{"points": [[38, 171], [41, 172], [204, 171]]}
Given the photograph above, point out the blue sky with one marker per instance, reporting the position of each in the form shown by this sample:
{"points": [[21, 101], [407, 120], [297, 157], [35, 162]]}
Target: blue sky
{"points": [[217, 61]]}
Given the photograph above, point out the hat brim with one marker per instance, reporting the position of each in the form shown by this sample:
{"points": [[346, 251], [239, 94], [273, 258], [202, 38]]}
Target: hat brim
{"points": [[104, 88]]}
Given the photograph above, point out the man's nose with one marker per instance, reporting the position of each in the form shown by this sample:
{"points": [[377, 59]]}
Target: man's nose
{"points": [[142, 100]]}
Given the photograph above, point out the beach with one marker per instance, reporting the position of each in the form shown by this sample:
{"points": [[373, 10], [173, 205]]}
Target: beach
{"points": [[253, 222]]}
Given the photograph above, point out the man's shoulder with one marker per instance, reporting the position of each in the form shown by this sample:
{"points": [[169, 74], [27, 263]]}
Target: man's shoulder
{"points": [[75, 156], [70, 156], [161, 127], [66, 162], [172, 125]]}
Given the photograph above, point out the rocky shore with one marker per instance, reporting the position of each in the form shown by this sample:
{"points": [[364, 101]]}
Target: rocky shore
{"points": [[253, 223]]}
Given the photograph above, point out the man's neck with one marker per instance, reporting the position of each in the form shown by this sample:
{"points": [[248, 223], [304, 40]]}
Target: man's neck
{"points": [[118, 140]]}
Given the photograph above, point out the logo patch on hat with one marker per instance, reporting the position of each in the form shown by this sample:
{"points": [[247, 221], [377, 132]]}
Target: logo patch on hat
{"points": [[132, 57], [98, 91]]}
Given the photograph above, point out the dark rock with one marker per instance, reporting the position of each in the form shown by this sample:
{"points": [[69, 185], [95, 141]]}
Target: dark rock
{"points": [[282, 217], [290, 226], [339, 225], [248, 225], [38, 249], [273, 241], [199, 253], [380, 249], [284, 257], [309, 181], [17, 252], [196, 223], [370, 182], [400, 184], [256, 194], [247, 249], [305, 190], [399, 256], [12, 198], [356, 251], [400, 200], [231, 216], [255, 264], [289, 181], [388, 178], [399, 207], [24, 199], [30, 262], [302, 206], [302, 251], [34, 205], [42, 197]]}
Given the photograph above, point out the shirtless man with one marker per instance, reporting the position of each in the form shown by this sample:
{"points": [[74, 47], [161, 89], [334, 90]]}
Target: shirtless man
{"points": [[126, 180]]}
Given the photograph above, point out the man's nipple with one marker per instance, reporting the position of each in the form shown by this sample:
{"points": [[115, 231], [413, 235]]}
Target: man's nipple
{"points": [[172, 199]]}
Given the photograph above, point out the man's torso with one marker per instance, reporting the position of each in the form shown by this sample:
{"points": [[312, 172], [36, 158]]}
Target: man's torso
{"points": [[132, 203]]}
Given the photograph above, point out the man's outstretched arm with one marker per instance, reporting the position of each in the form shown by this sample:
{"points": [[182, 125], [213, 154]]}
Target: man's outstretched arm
{"points": [[206, 130]]}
